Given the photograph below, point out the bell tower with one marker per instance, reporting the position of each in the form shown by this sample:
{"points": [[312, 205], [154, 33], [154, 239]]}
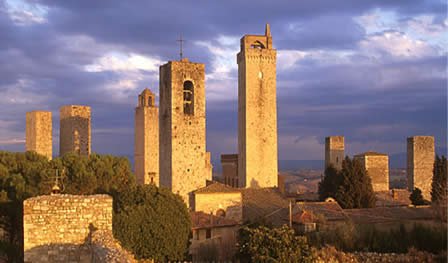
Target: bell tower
{"points": [[257, 112], [184, 162]]}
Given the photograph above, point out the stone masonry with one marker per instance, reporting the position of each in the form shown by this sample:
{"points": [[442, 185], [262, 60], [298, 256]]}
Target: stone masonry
{"points": [[229, 164], [146, 148], [39, 133], [420, 164], [56, 228], [184, 162], [334, 151], [74, 133], [377, 167], [257, 111]]}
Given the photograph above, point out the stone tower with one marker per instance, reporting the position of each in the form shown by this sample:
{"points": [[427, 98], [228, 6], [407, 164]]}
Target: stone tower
{"points": [[334, 151], [74, 130], [420, 164], [184, 162], [377, 167], [257, 111], [39, 133], [146, 148]]}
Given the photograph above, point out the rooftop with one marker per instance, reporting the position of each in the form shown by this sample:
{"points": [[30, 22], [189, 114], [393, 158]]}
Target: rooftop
{"points": [[202, 220]]}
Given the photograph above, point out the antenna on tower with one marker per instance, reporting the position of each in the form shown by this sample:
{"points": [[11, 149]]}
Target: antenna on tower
{"points": [[181, 42]]}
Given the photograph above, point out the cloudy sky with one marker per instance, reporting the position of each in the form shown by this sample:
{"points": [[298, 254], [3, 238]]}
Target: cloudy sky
{"points": [[374, 71]]}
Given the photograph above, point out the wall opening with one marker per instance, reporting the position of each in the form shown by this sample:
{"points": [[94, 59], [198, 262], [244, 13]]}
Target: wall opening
{"points": [[188, 98], [76, 142], [257, 44]]}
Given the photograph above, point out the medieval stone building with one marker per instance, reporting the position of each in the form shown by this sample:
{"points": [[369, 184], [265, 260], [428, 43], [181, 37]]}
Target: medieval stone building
{"points": [[420, 163], [229, 163], [74, 130], [377, 167], [39, 133], [184, 163], [334, 151], [146, 148], [257, 112]]}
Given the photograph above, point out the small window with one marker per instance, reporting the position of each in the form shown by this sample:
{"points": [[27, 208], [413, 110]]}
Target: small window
{"points": [[221, 213], [257, 45], [188, 98], [76, 142], [208, 233]]}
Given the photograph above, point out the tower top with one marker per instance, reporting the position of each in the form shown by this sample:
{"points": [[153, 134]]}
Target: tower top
{"points": [[146, 98], [267, 30]]}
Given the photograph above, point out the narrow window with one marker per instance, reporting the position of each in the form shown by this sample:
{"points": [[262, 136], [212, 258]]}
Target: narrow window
{"points": [[76, 142], [208, 233], [188, 98]]}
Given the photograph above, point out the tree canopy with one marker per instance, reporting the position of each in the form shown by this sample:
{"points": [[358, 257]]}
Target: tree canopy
{"points": [[351, 186], [439, 181], [152, 222]]}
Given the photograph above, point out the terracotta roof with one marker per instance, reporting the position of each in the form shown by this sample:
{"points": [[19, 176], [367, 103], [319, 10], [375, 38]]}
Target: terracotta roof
{"points": [[394, 197], [265, 204], [201, 220], [331, 211], [303, 217], [370, 154], [389, 214], [216, 187]]}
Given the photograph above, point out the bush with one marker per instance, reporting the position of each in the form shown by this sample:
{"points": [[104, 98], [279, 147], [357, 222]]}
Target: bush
{"points": [[152, 223], [263, 244], [416, 197]]}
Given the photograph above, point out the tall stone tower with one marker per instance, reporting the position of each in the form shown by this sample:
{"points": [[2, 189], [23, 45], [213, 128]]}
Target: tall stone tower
{"points": [[184, 163], [257, 111], [377, 167], [74, 130], [146, 149], [39, 133], [334, 151], [420, 164]]}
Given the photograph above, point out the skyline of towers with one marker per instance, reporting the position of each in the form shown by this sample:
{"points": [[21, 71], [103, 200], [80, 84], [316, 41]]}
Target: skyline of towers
{"points": [[183, 159], [146, 141], [39, 133], [74, 129], [257, 112]]}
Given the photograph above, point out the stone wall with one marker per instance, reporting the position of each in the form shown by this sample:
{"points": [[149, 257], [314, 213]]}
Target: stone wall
{"points": [[334, 151], [39, 133], [74, 130], [377, 167], [183, 157], [420, 164], [257, 112], [146, 149], [57, 228]]}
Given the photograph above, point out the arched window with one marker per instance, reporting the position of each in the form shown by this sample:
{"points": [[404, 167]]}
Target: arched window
{"points": [[188, 98], [150, 101], [221, 213]]}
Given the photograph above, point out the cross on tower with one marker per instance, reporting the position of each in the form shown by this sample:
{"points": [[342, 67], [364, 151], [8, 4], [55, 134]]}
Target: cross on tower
{"points": [[181, 42]]}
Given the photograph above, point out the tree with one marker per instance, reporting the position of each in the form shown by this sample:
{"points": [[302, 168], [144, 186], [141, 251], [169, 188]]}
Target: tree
{"points": [[439, 181], [152, 222], [351, 187], [329, 184], [416, 197], [263, 244]]}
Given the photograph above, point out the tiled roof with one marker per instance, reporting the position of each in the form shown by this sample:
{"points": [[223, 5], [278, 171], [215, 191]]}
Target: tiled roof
{"points": [[389, 214], [201, 220], [216, 187], [331, 211], [265, 204], [371, 154], [394, 197]]}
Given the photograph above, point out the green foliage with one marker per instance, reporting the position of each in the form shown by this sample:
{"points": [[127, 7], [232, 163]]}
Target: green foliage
{"points": [[264, 244], [152, 222], [351, 187], [439, 181], [329, 185], [369, 238], [416, 197]]}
